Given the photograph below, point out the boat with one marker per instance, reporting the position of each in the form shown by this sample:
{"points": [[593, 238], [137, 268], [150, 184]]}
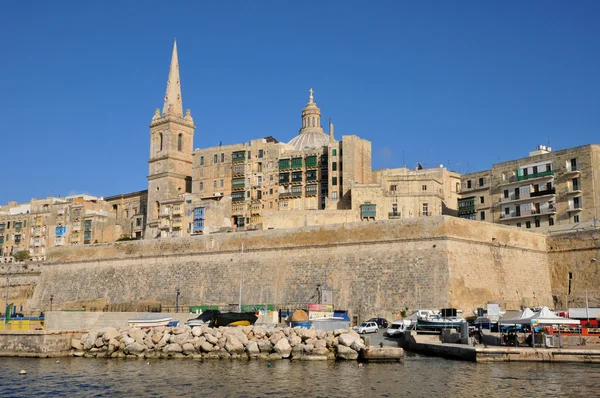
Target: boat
{"points": [[234, 319], [445, 319], [204, 319], [150, 321]]}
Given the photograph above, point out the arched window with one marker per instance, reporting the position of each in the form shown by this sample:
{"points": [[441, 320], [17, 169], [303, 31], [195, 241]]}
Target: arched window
{"points": [[458, 187], [160, 142], [180, 142], [313, 121]]}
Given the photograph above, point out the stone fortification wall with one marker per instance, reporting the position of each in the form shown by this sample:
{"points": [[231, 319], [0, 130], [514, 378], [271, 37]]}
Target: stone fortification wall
{"points": [[373, 268], [573, 269], [22, 279]]}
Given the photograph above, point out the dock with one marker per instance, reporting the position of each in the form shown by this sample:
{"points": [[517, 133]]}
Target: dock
{"points": [[483, 354]]}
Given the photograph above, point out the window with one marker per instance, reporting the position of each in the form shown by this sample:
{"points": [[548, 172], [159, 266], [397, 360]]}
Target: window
{"points": [[260, 153], [577, 202], [576, 218], [424, 187], [518, 225], [161, 141], [482, 216], [551, 221], [180, 142], [535, 169], [517, 210], [526, 172], [248, 194], [333, 152], [506, 194], [393, 188], [506, 211], [258, 194], [468, 184], [201, 160], [334, 181], [201, 186], [216, 158], [425, 209], [249, 154], [214, 183], [573, 164], [222, 157], [527, 224], [222, 183], [481, 181], [270, 205], [537, 222], [138, 222], [334, 195], [333, 166], [548, 167], [271, 177], [481, 200], [271, 191], [126, 213]]}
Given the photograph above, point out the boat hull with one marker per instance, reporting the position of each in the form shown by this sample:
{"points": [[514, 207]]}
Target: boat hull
{"points": [[148, 323], [234, 319]]}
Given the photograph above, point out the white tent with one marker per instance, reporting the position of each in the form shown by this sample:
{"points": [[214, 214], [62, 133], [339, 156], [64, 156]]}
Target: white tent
{"points": [[545, 317], [525, 314]]}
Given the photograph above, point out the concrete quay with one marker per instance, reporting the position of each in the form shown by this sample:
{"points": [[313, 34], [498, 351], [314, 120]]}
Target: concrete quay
{"points": [[485, 354]]}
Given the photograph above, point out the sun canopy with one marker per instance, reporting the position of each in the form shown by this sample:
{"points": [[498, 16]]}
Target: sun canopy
{"points": [[542, 317], [525, 314]]}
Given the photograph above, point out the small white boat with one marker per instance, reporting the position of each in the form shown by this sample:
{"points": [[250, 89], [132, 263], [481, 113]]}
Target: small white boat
{"points": [[150, 321]]}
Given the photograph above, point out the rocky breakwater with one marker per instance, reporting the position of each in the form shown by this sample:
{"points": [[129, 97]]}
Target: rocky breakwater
{"points": [[202, 342]]}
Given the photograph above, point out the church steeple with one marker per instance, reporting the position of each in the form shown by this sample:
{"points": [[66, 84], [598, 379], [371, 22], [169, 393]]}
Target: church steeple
{"points": [[173, 105]]}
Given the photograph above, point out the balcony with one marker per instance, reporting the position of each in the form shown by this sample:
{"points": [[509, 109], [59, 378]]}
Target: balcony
{"points": [[549, 173], [238, 186], [551, 191], [311, 162], [177, 225], [165, 224], [573, 207], [571, 170], [290, 194], [526, 214], [296, 163], [393, 214], [575, 189], [284, 164], [368, 211], [466, 209], [311, 190], [238, 157]]}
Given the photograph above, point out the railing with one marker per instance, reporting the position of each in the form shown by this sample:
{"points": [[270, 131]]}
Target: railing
{"points": [[550, 191], [574, 189], [570, 169], [393, 214], [289, 194], [535, 175], [240, 185], [532, 213], [575, 207], [465, 209]]}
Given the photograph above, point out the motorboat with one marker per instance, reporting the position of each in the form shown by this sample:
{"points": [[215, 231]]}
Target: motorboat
{"points": [[204, 319], [150, 321], [445, 319], [234, 319]]}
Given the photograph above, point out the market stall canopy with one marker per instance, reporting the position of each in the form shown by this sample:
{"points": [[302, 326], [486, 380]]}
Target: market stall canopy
{"points": [[546, 317], [525, 314]]}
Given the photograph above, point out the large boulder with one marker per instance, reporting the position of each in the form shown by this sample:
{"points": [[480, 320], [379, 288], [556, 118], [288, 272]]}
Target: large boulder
{"points": [[110, 333], [319, 343], [259, 332], [90, 340], [181, 338], [188, 348], [113, 345], [181, 329], [320, 351], [264, 346], [347, 339], [99, 342], [295, 340], [197, 331], [233, 345], [252, 349], [345, 352], [207, 347], [357, 345], [76, 344], [212, 339], [309, 334], [127, 341], [134, 349], [173, 348], [138, 335], [163, 341], [157, 336], [283, 348]]}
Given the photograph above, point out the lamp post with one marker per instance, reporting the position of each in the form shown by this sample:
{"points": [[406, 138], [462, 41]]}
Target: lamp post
{"points": [[51, 299]]}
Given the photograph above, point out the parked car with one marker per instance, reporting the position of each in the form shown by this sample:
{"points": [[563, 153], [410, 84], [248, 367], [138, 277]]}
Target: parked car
{"points": [[381, 322], [368, 327]]}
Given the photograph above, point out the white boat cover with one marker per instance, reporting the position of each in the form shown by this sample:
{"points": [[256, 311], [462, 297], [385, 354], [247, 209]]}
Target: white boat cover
{"points": [[581, 313]]}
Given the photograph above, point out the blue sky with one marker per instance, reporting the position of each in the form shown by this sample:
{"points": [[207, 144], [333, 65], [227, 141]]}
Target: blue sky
{"points": [[461, 83]]}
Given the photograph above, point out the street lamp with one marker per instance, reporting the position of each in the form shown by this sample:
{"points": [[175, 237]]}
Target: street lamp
{"points": [[51, 299]]}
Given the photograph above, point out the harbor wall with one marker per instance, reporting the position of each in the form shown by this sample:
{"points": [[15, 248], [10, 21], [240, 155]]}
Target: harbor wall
{"points": [[372, 268], [574, 260], [59, 320], [36, 343], [21, 278]]}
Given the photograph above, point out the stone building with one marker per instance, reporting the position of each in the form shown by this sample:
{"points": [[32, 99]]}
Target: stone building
{"points": [[546, 191], [129, 211], [41, 224]]}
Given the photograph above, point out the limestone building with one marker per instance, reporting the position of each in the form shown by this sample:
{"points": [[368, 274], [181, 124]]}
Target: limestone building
{"points": [[546, 191]]}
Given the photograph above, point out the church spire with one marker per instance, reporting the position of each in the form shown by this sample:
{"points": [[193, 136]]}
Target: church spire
{"points": [[173, 105]]}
